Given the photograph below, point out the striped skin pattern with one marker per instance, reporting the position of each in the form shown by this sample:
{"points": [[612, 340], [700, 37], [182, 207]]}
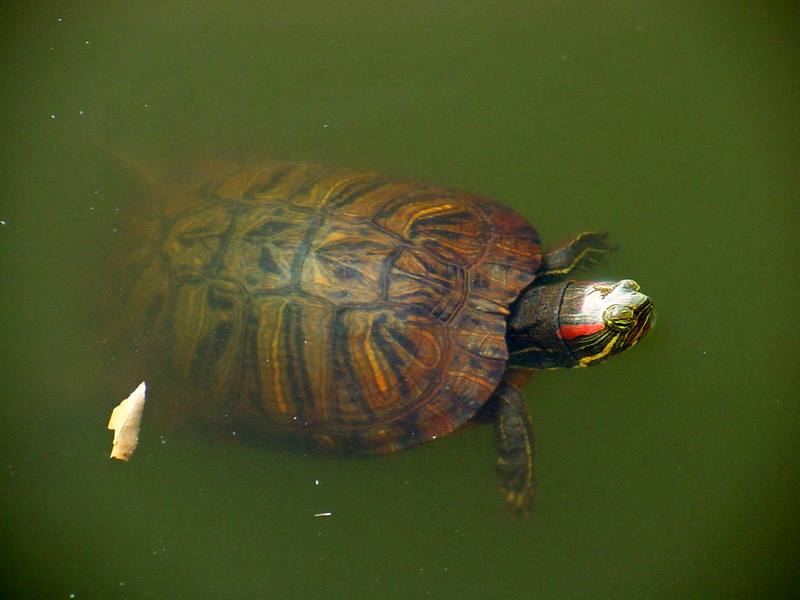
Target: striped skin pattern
{"points": [[362, 313]]}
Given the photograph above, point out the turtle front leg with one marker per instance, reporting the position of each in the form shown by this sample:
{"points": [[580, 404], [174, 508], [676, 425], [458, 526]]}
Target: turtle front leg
{"points": [[514, 439], [584, 247]]}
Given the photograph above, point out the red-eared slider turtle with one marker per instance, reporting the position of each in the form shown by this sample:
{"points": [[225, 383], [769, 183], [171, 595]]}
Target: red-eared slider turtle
{"points": [[365, 314]]}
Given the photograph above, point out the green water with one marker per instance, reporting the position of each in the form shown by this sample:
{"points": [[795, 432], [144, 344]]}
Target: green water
{"points": [[669, 472]]}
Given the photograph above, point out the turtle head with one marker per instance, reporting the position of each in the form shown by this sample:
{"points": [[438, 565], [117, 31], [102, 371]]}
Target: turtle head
{"points": [[577, 323], [599, 320]]}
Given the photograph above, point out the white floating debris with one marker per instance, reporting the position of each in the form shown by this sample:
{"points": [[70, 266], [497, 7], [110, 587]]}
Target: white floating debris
{"points": [[126, 420], [323, 514]]}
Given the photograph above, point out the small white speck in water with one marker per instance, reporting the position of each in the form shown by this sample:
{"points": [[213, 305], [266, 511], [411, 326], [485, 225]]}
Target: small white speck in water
{"points": [[316, 482], [323, 514]]}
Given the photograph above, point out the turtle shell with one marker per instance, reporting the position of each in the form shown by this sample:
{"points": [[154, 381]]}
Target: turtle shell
{"points": [[363, 313]]}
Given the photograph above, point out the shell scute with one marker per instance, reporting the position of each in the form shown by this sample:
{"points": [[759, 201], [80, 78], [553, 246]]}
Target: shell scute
{"points": [[419, 279], [207, 335], [482, 330], [446, 225], [195, 240], [262, 247], [386, 361], [291, 369], [346, 262]]}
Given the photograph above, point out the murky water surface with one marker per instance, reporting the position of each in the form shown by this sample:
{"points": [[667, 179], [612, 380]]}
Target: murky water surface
{"points": [[669, 472]]}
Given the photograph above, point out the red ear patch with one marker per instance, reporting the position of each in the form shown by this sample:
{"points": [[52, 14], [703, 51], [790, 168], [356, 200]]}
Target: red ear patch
{"points": [[569, 332]]}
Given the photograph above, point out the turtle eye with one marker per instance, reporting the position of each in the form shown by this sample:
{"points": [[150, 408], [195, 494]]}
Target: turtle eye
{"points": [[619, 317]]}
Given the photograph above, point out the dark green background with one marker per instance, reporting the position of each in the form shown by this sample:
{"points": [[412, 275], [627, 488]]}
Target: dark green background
{"points": [[669, 472]]}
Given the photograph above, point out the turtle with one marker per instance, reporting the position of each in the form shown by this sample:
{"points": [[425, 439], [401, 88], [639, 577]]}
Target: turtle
{"points": [[362, 314]]}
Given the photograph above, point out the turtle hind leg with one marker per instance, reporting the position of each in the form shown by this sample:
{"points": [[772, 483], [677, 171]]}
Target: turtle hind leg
{"points": [[584, 248], [514, 439]]}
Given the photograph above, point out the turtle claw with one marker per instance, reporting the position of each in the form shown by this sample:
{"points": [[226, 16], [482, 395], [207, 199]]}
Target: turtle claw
{"points": [[518, 500], [589, 260], [516, 486]]}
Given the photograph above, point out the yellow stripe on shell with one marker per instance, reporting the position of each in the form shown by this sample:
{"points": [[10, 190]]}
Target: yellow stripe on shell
{"points": [[425, 212], [377, 372]]}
